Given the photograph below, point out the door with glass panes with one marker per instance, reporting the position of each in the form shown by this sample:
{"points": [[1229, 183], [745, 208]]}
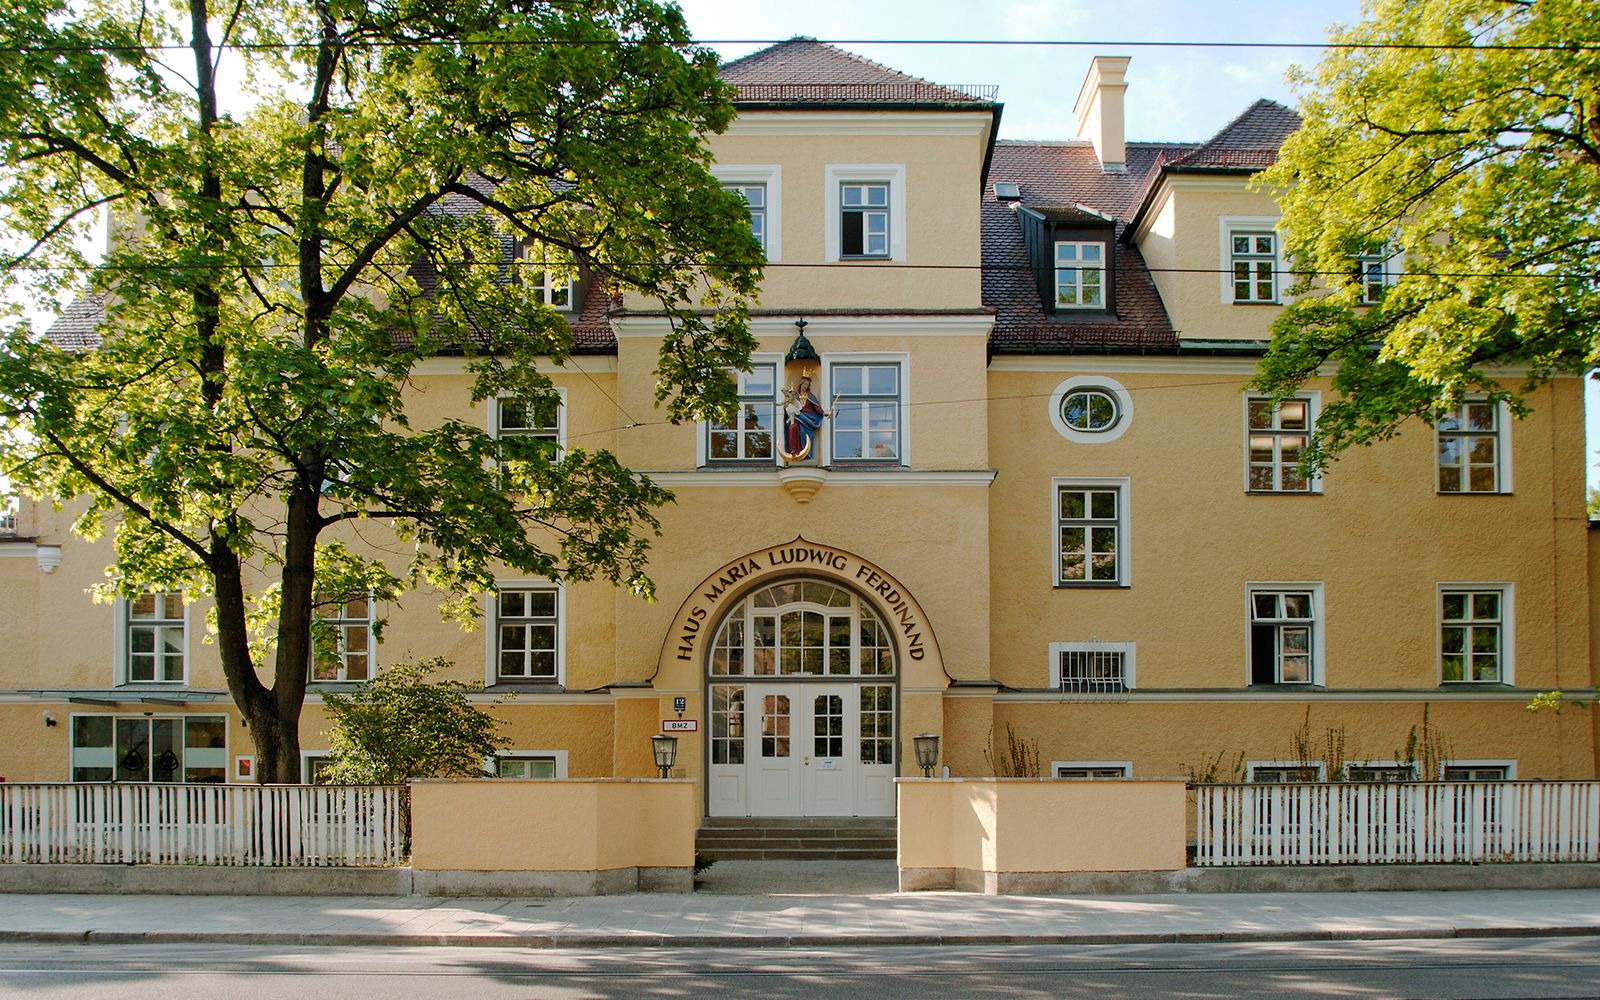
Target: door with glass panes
{"points": [[802, 693]]}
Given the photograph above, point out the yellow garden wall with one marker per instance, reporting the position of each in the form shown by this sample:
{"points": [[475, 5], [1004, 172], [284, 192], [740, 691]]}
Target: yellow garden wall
{"points": [[491, 825], [964, 833]]}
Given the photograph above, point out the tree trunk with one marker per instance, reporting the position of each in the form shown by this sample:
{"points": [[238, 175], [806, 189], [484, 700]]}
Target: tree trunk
{"points": [[277, 743]]}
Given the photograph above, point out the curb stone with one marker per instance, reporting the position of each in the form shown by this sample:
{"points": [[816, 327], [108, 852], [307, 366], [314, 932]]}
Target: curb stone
{"points": [[772, 941]]}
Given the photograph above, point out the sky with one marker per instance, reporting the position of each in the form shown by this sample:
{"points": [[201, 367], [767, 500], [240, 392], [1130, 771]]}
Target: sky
{"points": [[1174, 93]]}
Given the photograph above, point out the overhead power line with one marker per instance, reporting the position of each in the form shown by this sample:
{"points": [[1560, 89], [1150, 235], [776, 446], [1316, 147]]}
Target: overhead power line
{"points": [[1097, 43], [253, 265]]}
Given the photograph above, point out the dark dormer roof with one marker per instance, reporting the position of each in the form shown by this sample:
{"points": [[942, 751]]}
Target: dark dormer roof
{"points": [[805, 72], [1063, 182]]}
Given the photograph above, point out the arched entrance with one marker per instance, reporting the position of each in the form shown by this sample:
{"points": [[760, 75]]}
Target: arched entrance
{"points": [[801, 683]]}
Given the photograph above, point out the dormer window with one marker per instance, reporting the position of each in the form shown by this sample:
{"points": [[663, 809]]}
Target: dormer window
{"points": [[1080, 275]]}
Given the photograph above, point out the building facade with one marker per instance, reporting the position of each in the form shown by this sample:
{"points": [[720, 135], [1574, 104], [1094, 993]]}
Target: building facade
{"points": [[1030, 499]]}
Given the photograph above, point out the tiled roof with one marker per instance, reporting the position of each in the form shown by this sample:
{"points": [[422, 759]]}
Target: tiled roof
{"points": [[1063, 179], [806, 71], [78, 326], [1249, 142]]}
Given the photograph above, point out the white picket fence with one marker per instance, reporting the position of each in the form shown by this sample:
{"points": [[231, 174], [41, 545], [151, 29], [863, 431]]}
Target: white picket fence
{"points": [[1346, 823], [262, 825]]}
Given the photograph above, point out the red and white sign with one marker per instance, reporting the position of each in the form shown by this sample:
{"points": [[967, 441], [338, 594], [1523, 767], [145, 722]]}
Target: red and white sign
{"points": [[679, 725]]}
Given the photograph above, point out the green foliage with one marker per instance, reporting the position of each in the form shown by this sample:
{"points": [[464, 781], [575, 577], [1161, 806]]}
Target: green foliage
{"points": [[402, 725], [1217, 769], [1555, 701], [280, 270], [1483, 166], [1426, 750], [1591, 505]]}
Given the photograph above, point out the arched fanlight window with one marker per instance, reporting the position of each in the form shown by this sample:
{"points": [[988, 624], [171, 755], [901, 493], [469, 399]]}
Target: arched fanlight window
{"points": [[802, 628]]}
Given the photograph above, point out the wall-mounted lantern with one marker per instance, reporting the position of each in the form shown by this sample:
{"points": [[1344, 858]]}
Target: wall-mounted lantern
{"points": [[665, 749], [927, 748]]}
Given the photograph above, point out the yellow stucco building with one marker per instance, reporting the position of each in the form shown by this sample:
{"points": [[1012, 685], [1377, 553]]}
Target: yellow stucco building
{"points": [[1039, 500]]}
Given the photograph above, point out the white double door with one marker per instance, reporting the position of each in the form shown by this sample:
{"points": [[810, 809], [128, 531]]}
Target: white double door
{"points": [[806, 753]]}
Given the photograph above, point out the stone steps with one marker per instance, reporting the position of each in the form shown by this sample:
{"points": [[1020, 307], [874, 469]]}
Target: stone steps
{"points": [[764, 839]]}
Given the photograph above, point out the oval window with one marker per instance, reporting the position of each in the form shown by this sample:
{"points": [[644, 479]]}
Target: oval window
{"points": [[1090, 409]]}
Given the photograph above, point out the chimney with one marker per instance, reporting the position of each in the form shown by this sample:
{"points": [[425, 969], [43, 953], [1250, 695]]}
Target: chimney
{"points": [[1099, 111]]}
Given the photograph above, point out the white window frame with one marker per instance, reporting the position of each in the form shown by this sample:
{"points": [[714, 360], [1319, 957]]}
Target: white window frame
{"points": [[1319, 628], [1124, 403], [1123, 485], [491, 614], [1079, 267], [1388, 273], [341, 624], [1231, 224], [1057, 766], [1316, 766], [1502, 436], [770, 175], [1508, 631], [836, 174], [1313, 400], [702, 455], [492, 764], [1510, 767], [223, 752], [307, 759], [527, 265], [1129, 662], [825, 397], [121, 648], [1378, 765], [493, 426]]}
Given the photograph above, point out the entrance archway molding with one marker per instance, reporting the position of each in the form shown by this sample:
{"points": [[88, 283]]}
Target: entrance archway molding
{"points": [[682, 662]]}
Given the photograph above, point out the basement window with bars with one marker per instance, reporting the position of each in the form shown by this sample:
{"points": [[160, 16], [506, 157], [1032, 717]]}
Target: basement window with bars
{"points": [[1092, 667]]}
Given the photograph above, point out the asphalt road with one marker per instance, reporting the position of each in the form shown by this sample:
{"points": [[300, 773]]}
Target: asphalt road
{"points": [[1481, 968]]}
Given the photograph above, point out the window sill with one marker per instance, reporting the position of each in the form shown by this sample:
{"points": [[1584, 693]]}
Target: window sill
{"points": [[1283, 493], [1287, 686], [520, 683], [1090, 585], [1476, 686], [855, 258], [1239, 302], [1473, 493]]}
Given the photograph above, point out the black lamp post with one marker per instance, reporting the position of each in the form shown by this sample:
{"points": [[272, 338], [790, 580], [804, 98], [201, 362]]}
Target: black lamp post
{"points": [[927, 748], [665, 749]]}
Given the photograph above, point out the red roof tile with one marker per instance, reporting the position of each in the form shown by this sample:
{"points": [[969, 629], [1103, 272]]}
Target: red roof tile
{"points": [[806, 71]]}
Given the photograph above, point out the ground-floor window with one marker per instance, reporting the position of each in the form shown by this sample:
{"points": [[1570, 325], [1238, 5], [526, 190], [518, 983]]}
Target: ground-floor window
{"points": [[531, 764], [181, 749], [1278, 773], [1081, 770], [1479, 771], [1370, 771]]}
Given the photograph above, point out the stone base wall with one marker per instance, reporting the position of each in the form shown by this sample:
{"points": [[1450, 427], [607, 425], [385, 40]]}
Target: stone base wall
{"points": [[1288, 878], [204, 880], [610, 882]]}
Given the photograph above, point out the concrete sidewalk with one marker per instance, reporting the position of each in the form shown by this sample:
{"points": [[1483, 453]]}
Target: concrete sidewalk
{"points": [[776, 921]]}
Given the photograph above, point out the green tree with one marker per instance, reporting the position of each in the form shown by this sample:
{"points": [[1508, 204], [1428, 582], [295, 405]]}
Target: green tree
{"points": [[402, 725], [281, 270], [1465, 134]]}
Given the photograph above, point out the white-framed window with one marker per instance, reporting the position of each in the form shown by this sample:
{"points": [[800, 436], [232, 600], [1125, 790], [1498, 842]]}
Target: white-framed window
{"points": [[761, 186], [191, 749], [526, 637], [1092, 667], [1285, 639], [1250, 258], [755, 199], [550, 275], [1276, 437], [526, 428], [1373, 277], [865, 211], [342, 644], [1472, 453], [314, 765], [1379, 770], [526, 764], [1283, 772], [750, 438], [152, 639], [1478, 770], [1091, 532], [1087, 770], [1475, 636], [1091, 409], [868, 399], [1080, 275]]}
